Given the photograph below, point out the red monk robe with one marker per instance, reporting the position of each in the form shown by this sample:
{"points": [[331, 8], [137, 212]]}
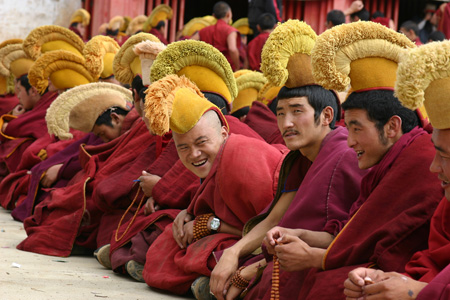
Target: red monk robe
{"points": [[21, 132], [390, 222], [443, 14], [172, 193], [71, 211], [254, 50], [261, 119], [159, 35], [7, 103], [241, 183], [216, 35], [438, 288]]}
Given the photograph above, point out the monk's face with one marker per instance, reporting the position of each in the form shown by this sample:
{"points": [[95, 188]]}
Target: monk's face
{"points": [[27, 99], [369, 144], [441, 161], [198, 147], [108, 133], [296, 122]]}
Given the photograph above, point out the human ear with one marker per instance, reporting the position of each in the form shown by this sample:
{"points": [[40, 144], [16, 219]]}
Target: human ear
{"points": [[393, 127]]}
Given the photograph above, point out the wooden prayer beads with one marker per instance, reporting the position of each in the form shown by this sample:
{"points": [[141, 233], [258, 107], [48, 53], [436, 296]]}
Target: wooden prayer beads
{"points": [[275, 291], [201, 226], [238, 281]]}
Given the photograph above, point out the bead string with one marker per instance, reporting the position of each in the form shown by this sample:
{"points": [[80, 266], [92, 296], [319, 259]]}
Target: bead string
{"points": [[275, 290]]}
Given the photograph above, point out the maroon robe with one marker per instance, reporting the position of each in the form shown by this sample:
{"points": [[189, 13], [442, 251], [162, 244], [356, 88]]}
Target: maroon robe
{"points": [[254, 50], [7, 103], [158, 34], [438, 288], [217, 34], [247, 170], [389, 222], [261, 119]]}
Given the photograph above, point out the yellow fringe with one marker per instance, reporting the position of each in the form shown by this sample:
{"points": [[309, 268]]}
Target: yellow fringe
{"points": [[255, 80], [95, 50], [159, 13], [136, 24]]}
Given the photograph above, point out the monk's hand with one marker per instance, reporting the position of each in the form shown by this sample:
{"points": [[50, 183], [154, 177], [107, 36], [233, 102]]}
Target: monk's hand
{"points": [[147, 182], [355, 7], [150, 206], [296, 255], [178, 226], [18, 110], [222, 273], [188, 233], [51, 175], [272, 235], [358, 278], [392, 286]]}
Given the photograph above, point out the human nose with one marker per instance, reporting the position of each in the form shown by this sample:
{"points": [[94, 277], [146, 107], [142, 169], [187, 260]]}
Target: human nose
{"points": [[351, 141], [435, 166]]}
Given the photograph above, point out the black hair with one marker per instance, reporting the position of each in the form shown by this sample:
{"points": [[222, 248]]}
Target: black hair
{"points": [[160, 25], [380, 106], [266, 21], [336, 17], [377, 14], [220, 9], [241, 112], [318, 97], [74, 24], [437, 36], [218, 100], [23, 80], [111, 32], [410, 25], [273, 105], [137, 85], [363, 15], [105, 118]]}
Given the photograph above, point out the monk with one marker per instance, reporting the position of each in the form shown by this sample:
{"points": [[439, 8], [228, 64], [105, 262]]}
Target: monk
{"points": [[266, 23]]}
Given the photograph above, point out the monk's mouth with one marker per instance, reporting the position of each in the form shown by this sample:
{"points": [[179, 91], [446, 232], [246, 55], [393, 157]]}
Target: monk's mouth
{"points": [[200, 163]]}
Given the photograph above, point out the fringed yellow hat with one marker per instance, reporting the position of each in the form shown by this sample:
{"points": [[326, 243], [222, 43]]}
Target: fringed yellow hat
{"points": [[249, 83], [126, 63], [99, 53], [242, 26], [201, 63], [286, 55], [81, 16], [175, 103], [80, 107], [161, 12], [423, 78], [363, 54], [147, 51], [7, 84], [126, 23], [51, 37], [268, 92], [102, 28], [115, 23], [136, 25], [194, 25], [14, 60], [65, 69], [210, 19]]}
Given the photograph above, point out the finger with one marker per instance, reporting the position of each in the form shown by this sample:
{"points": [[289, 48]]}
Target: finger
{"points": [[156, 208], [144, 173], [287, 238]]}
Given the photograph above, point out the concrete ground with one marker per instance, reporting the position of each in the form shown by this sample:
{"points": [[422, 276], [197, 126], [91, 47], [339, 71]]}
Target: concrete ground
{"points": [[26, 275]]}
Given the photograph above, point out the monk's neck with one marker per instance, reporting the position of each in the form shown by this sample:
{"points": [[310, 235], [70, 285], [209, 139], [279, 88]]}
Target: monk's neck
{"points": [[312, 150]]}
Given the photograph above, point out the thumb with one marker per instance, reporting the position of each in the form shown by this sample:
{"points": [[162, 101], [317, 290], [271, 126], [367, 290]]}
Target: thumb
{"points": [[287, 238], [144, 173]]}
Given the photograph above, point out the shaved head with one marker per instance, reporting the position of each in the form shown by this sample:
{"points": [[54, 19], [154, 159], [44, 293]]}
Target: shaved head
{"points": [[212, 119]]}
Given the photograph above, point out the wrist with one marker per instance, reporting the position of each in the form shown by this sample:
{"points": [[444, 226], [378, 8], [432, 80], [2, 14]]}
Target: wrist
{"points": [[317, 257]]}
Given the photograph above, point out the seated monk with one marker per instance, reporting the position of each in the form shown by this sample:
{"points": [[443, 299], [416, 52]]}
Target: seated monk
{"points": [[427, 273], [319, 178], [226, 164], [397, 189]]}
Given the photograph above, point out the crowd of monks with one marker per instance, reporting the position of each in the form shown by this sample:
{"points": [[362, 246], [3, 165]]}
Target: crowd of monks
{"points": [[166, 166]]}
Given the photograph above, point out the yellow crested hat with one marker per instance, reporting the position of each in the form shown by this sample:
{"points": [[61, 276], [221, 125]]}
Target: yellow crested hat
{"points": [[160, 13], [268, 92], [136, 25], [80, 107], [65, 69], [194, 25], [362, 54], [99, 53], [203, 64], [176, 103], [249, 83], [126, 23], [286, 55], [126, 63], [7, 84], [116, 22], [242, 26], [423, 79], [102, 29], [81, 16], [147, 51], [210, 19], [49, 38], [14, 60]]}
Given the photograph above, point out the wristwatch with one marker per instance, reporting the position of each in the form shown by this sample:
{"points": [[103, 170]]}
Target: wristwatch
{"points": [[215, 225]]}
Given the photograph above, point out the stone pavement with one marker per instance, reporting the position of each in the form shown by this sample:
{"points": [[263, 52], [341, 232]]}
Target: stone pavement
{"points": [[25, 275]]}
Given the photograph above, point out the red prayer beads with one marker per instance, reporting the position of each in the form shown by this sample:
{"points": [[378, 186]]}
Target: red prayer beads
{"points": [[201, 226]]}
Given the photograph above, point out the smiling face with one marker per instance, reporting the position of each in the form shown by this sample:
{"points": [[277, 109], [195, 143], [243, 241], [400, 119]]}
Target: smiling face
{"points": [[441, 161], [369, 144], [298, 127], [199, 147]]}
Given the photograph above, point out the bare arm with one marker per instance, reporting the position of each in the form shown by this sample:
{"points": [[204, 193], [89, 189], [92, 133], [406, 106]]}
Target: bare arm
{"points": [[232, 48], [195, 36]]}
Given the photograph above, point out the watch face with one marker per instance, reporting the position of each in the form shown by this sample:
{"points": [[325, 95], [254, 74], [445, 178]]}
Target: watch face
{"points": [[215, 223]]}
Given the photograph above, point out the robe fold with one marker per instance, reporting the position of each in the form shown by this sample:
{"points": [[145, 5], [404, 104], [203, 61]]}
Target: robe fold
{"points": [[254, 50], [261, 119], [7, 103], [241, 183], [21, 132], [73, 214], [389, 222], [438, 288]]}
